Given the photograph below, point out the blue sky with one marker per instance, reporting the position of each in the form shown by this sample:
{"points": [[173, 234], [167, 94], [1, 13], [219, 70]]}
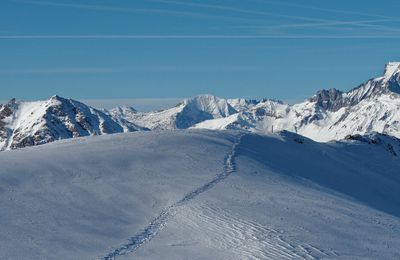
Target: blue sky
{"points": [[103, 49]]}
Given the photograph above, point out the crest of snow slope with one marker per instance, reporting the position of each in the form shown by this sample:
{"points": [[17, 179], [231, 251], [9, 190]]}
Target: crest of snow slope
{"points": [[241, 104], [287, 197], [32, 123], [328, 115], [184, 115]]}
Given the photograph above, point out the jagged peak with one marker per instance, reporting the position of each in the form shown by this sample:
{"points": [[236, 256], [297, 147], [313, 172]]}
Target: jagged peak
{"points": [[11, 104], [122, 110], [56, 100], [333, 99], [12, 101], [326, 95], [391, 69], [56, 97]]}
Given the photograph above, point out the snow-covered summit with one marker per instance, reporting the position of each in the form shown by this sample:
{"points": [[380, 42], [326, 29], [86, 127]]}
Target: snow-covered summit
{"points": [[122, 110], [389, 83], [201, 108], [32, 123], [391, 69], [212, 105]]}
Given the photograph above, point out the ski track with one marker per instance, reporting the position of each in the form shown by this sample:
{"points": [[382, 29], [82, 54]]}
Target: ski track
{"points": [[157, 224]]}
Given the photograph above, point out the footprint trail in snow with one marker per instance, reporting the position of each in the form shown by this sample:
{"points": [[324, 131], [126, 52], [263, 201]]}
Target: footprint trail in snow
{"points": [[157, 224]]}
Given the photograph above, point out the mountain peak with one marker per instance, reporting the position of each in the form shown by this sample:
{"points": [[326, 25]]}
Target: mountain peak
{"points": [[58, 98], [202, 98], [55, 97], [333, 99], [217, 107], [391, 69], [12, 101], [122, 111]]}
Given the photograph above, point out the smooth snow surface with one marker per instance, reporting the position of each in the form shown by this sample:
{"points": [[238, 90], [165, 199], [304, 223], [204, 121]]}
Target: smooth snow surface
{"points": [[198, 194]]}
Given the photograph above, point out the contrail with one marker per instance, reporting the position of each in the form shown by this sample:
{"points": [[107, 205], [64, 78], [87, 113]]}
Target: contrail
{"points": [[329, 10], [131, 10], [301, 18], [188, 37]]}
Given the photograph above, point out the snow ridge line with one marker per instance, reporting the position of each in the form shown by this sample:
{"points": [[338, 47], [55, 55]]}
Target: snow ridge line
{"points": [[158, 224]]}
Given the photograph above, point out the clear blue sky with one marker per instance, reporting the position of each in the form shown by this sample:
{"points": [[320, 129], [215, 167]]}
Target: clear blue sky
{"points": [[110, 49]]}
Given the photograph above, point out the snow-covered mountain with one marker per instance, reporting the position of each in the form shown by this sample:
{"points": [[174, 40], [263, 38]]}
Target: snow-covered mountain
{"points": [[328, 115], [200, 194], [33, 123], [184, 115]]}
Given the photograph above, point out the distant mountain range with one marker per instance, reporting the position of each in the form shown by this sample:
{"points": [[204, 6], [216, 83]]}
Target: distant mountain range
{"points": [[328, 115]]}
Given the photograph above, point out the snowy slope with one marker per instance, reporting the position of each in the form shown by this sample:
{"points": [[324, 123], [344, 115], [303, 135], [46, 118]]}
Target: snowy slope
{"points": [[31, 123], [197, 194]]}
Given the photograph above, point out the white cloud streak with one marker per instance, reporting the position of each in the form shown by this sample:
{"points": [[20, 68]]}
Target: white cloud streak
{"points": [[321, 24], [377, 32], [144, 68], [329, 10], [56, 70], [129, 10], [239, 10], [192, 37], [301, 18]]}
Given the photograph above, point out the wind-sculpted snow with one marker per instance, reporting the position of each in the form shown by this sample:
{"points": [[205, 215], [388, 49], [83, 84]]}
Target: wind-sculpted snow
{"points": [[243, 238], [197, 194]]}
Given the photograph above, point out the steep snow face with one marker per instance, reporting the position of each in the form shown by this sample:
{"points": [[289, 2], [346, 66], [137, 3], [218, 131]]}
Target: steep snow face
{"points": [[380, 114], [392, 72], [184, 115], [257, 117], [202, 108], [124, 117], [215, 195], [32, 123]]}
